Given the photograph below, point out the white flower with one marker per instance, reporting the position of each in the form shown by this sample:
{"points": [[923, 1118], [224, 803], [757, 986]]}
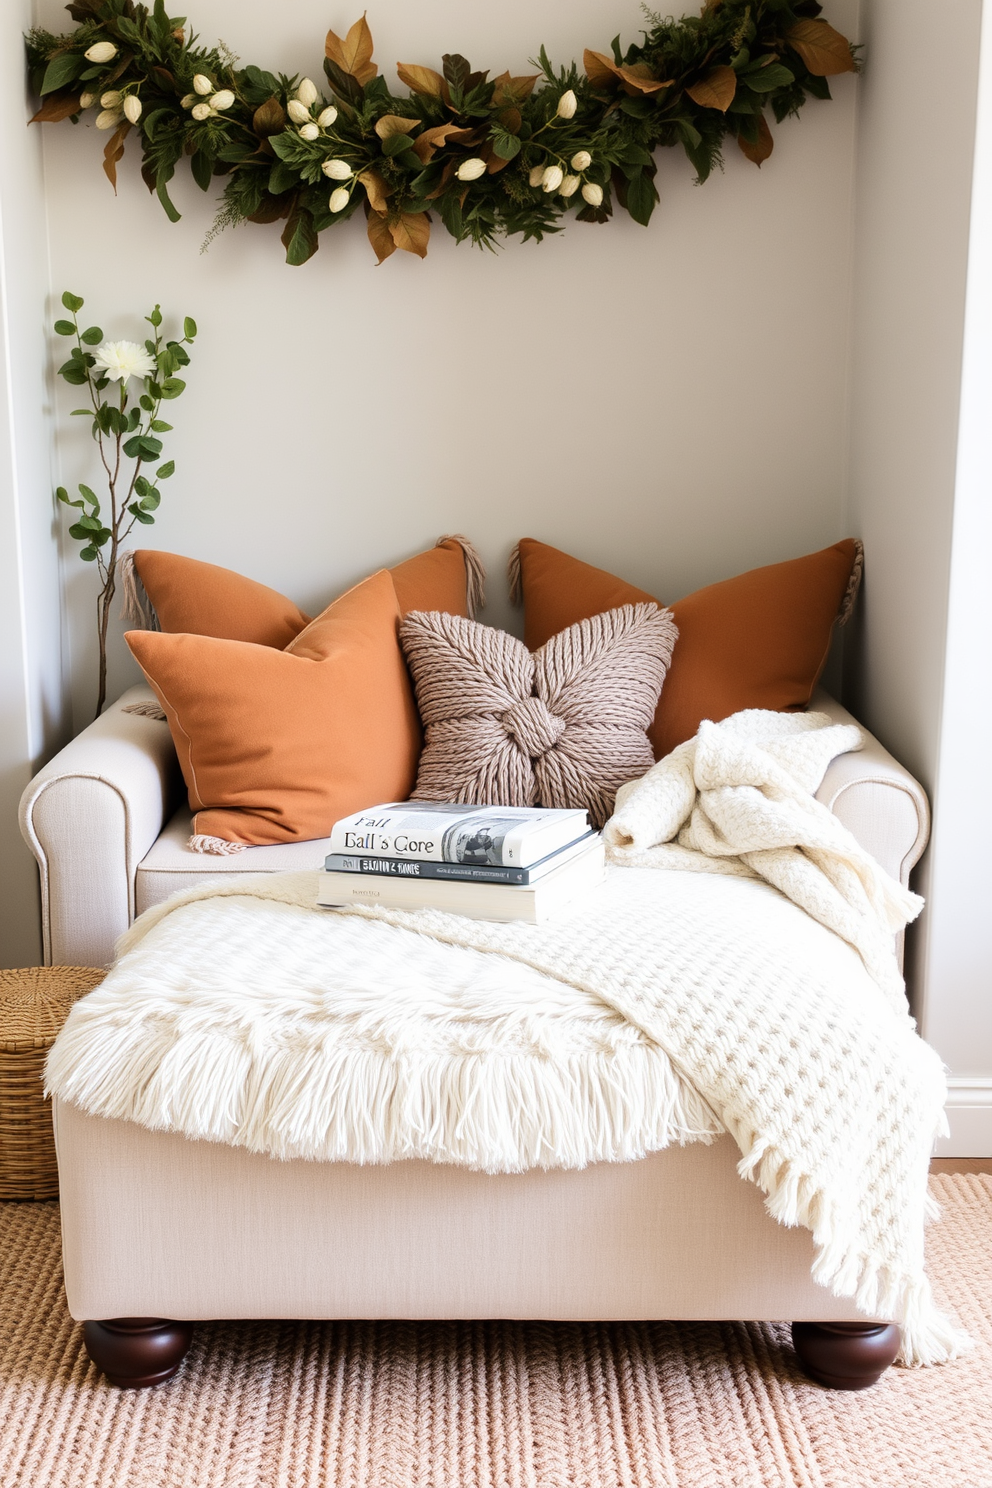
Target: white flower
{"points": [[593, 194], [326, 117], [567, 104], [109, 119], [309, 132], [307, 93], [569, 186], [222, 100], [132, 108], [202, 85], [101, 51], [87, 100], [201, 111], [297, 111], [339, 199], [111, 99], [124, 359], [552, 177], [536, 176], [338, 170], [471, 170], [581, 160], [188, 101]]}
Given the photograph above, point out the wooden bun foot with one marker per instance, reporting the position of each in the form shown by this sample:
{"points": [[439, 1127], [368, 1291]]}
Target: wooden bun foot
{"points": [[135, 1352], [846, 1356]]}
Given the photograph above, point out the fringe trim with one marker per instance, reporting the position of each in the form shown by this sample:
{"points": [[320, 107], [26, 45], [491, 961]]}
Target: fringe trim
{"points": [[146, 710], [475, 572], [853, 584], [295, 1095], [219, 846], [137, 610], [792, 1198], [514, 577]]}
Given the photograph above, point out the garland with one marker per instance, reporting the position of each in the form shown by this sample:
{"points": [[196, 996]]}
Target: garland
{"points": [[492, 158]]}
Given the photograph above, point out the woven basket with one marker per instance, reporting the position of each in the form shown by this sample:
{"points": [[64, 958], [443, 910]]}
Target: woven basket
{"points": [[34, 1004]]}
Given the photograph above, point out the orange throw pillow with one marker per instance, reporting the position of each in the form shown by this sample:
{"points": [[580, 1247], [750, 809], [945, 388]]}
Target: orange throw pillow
{"points": [[759, 640], [202, 599], [276, 746]]}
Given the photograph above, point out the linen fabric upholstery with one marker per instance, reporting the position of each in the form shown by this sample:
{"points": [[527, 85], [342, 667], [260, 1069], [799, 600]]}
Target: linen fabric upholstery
{"points": [[759, 640], [275, 746], [197, 598], [563, 727]]}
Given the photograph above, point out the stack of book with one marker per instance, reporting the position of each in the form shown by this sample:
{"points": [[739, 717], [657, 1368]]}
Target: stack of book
{"points": [[488, 862]]}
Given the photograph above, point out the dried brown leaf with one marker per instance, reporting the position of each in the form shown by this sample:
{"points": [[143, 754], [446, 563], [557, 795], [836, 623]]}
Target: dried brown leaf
{"points": [[269, 118], [641, 78], [763, 146], [411, 232], [391, 124], [378, 191], [716, 90], [113, 151], [601, 71], [824, 51], [422, 80], [354, 54], [380, 237], [513, 89], [430, 140], [56, 106]]}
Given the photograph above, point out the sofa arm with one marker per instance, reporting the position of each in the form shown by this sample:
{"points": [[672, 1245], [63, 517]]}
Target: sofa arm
{"points": [[876, 798], [89, 817]]}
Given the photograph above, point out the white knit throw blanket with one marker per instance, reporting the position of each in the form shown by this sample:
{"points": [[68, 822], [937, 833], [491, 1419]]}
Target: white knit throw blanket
{"points": [[224, 1017]]}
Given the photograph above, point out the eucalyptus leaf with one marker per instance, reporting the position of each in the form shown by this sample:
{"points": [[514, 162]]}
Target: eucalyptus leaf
{"points": [[189, 328], [172, 387], [92, 335], [164, 471], [72, 302], [65, 328]]}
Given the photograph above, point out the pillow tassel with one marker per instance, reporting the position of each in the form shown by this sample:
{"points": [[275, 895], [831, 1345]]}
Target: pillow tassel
{"points": [[137, 610], [853, 584], [514, 577], [475, 572], [218, 846]]}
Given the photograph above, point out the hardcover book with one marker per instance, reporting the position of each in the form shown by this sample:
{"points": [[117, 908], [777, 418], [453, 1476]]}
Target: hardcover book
{"points": [[472, 836]]}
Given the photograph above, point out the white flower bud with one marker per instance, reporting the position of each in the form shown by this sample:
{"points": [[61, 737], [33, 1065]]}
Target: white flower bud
{"points": [[338, 170], [307, 93], [101, 51], [188, 101], [471, 170], [567, 104], [536, 176], [552, 177], [593, 194], [581, 160], [222, 100], [339, 199], [569, 186], [326, 117], [87, 100], [297, 111], [111, 99], [309, 132], [202, 85], [201, 111], [132, 108], [109, 119]]}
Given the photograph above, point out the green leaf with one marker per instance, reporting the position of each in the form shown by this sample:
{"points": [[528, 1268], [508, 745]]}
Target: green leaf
{"points": [[156, 317], [87, 554], [90, 523], [641, 198], [146, 403], [89, 496], [104, 535], [151, 501], [61, 494], [202, 168], [767, 79], [189, 328], [141, 516], [86, 412], [164, 471], [73, 373], [92, 336], [72, 302], [79, 532], [65, 328], [163, 196], [61, 71], [171, 388], [154, 390], [160, 426], [142, 486], [505, 145], [299, 238]]}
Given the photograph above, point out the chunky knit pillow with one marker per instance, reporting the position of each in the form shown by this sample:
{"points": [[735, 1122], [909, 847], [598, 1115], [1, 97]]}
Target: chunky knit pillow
{"points": [[564, 726]]}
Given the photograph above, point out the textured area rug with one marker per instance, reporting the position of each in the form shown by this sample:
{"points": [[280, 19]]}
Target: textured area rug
{"points": [[489, 1405]]}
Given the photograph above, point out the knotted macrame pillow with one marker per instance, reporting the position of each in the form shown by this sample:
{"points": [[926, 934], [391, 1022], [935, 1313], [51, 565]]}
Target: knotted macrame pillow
{"points": [[563, 726]]}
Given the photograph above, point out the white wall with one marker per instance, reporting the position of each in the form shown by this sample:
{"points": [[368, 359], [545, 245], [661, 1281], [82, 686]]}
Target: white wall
{"points": [[31, 701], [668, 402], [921, 470]]}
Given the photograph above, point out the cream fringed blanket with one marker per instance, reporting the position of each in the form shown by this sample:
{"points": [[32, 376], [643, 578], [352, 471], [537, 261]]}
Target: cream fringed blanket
{"points": [[667, 1006]]}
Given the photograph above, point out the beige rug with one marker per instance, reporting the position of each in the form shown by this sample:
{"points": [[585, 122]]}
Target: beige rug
{"points": [[489, 1405]]}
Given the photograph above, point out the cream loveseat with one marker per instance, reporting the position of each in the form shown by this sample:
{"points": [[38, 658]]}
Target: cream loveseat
{"points": [[158, 1228]]}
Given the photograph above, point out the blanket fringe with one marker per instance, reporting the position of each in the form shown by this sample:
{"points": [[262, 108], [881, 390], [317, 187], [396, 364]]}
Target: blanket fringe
{"points": [[137, 609], [219, 846], [514, 577], [146, 710], [475, 572]]}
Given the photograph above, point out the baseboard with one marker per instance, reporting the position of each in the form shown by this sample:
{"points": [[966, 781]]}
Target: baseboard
{"points": [[969, 1116]]}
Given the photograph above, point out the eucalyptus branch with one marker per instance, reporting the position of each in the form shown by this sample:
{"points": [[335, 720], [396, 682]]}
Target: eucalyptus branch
{"points": [[121, 433]]}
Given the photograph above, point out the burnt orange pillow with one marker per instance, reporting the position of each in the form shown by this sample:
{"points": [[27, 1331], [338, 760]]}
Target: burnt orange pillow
{"points": [[759, 640], [276, 746], [202, 599]]}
